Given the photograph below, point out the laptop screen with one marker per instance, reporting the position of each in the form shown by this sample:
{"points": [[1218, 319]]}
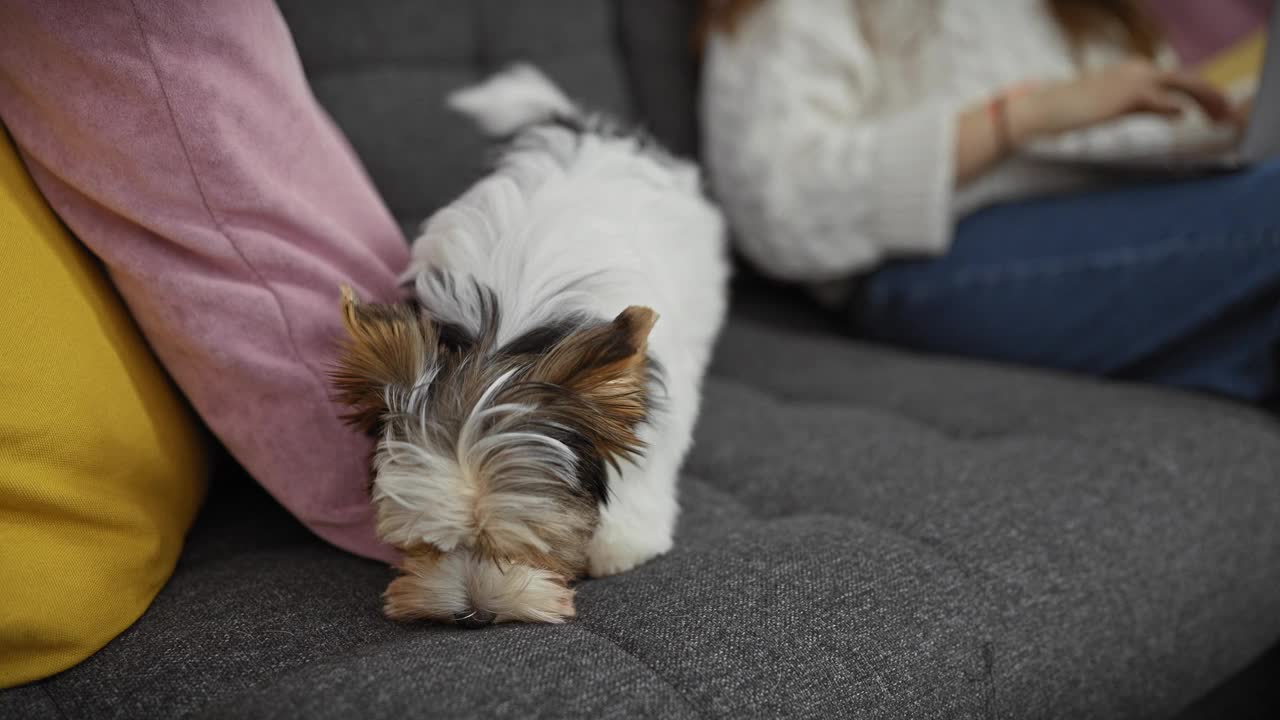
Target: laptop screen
{"points": [[1262, 140]]}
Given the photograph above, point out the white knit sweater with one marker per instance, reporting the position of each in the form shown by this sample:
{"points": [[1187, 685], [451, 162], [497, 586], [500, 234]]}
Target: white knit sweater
{"points": [[830, 157]]}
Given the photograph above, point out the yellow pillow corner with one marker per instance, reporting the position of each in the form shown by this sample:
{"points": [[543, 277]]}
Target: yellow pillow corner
{"points": [[102, 464], [1237, 69]]}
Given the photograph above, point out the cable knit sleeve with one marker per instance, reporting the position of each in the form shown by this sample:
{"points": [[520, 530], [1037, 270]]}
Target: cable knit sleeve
{"points": [[816, 183]]}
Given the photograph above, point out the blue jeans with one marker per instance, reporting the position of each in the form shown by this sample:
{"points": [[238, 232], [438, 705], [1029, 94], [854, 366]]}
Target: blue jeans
{"points": [[1175, 283]]}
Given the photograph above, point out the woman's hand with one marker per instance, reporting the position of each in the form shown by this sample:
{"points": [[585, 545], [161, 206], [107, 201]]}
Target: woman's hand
{"points": [[1132, 87], [1244, 110], [987, 132]]}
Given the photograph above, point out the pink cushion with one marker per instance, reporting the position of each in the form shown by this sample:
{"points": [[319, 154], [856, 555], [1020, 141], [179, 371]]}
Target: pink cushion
{"points": [[1198, 30], [181, 143]]}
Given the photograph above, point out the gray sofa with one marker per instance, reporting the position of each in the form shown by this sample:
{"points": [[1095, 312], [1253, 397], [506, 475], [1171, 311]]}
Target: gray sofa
{"points": [[866, 532]]}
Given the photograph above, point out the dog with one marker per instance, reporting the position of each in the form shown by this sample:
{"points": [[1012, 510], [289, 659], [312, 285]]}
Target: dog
{"points": [[534, 400]]}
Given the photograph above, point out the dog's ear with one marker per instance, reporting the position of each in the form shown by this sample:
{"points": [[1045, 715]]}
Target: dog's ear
{"points": [[387, 352], [594, 356], [607, 366]]}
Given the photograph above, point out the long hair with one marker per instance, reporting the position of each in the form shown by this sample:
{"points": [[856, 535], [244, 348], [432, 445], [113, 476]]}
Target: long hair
{"points": [[1124, 22]]}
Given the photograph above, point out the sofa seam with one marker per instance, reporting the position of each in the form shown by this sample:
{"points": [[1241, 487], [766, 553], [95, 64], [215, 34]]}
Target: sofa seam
{"points": [[791, 401], [208, 207], [625, 53], [684, 699], [48, 694], [982, 583]]}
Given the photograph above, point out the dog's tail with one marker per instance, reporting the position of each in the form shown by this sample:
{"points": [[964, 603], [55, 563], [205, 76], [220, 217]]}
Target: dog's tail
{"points": [[511, 100]]}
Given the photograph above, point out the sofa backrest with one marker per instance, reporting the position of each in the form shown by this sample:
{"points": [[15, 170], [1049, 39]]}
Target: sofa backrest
{"points": [[382, 67]]}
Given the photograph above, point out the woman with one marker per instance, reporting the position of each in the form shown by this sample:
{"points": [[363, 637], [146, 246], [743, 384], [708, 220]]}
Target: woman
{"points": [[873, 150]]}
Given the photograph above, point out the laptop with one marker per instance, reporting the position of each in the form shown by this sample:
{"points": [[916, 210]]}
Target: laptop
{"points": [[1150, 143]]}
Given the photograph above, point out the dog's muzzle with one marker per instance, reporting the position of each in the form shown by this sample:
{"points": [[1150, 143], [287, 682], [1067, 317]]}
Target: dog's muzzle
{"points": [[474, 619]]}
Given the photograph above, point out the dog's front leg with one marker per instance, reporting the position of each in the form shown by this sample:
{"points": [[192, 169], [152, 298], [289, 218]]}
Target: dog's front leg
{"points": [[639, 521]]}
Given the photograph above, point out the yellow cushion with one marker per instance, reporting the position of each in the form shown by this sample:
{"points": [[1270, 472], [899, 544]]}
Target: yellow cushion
{"points": [[1238, 68], [102, 464]]}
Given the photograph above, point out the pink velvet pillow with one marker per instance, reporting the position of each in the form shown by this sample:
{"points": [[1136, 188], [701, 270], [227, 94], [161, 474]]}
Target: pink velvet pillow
{"points": [[1198, 30], [181, 143]]}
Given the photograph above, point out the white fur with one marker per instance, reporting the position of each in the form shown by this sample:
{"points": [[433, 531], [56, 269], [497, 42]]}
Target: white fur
{"points": [[590, 224], [510, 100], [459, 583], [423, 493]]}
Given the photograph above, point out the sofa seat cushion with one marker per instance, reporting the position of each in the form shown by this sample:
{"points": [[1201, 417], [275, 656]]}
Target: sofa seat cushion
{"points": [[865, 534]]}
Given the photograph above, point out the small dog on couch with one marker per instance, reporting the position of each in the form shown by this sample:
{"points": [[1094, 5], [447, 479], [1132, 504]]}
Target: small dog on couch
{"points": [[535, 400]]}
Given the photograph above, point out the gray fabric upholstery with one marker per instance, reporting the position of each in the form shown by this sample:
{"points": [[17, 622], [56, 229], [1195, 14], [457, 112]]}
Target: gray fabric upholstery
{"points": [[658, 46], [866, 533], [1251, 695], [381, 68]]}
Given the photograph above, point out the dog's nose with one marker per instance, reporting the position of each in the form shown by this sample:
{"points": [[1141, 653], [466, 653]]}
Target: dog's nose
{"points": [[474, 619]]}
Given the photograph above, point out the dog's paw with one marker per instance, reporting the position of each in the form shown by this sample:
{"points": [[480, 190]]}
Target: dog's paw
{"points": [[614, 552]]}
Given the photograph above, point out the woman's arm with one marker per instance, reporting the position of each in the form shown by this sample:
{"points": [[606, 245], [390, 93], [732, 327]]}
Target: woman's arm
{"points": [[980, 143], [818, 188], [987, 132]]}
